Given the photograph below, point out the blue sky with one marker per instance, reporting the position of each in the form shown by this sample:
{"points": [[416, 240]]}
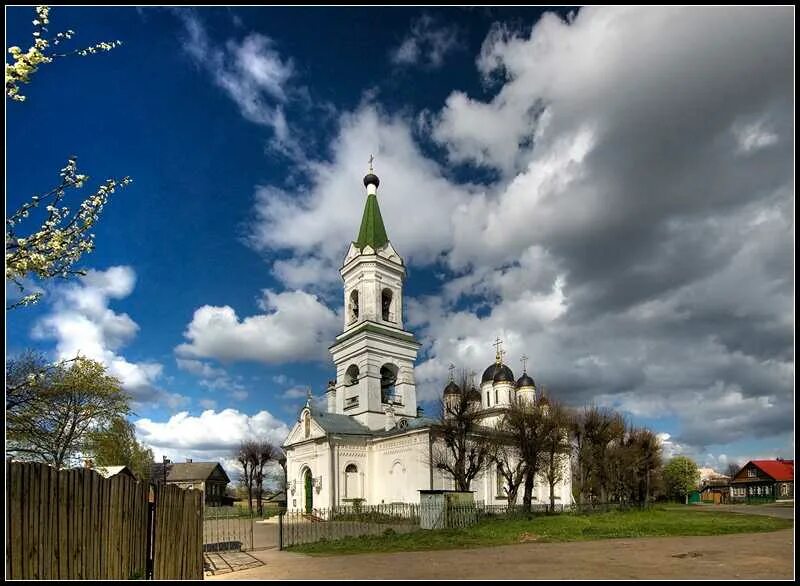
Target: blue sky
{"points": [[614, 201]]}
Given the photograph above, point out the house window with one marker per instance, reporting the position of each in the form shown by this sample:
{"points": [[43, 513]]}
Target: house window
{"points": [[751, 472]]}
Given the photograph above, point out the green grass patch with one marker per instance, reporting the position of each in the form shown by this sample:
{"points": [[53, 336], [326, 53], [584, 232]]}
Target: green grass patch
{"points": [[563, 527]]}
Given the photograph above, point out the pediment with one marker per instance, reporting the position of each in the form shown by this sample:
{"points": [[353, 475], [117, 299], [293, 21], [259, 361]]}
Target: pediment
{"points": [[298, 434]]}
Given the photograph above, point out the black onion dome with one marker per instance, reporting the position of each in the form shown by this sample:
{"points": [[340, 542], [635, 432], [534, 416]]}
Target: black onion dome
{"points": [[371, 179], [474, 395], [452, 389], [525, 381], [497, 373]]}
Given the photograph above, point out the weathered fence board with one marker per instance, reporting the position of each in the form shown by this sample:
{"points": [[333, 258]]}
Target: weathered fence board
{"points": [[75, 524], [178, 543]]}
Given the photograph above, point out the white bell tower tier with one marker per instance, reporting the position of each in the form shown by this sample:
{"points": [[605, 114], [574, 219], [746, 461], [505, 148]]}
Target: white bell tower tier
{"points": [[374, 355]]}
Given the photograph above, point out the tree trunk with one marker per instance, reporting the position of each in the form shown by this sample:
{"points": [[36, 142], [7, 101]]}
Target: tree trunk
{"points": [[527, 496]]}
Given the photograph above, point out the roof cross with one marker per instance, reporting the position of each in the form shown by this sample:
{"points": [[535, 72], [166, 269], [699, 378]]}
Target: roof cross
{"points": [[371, 158], [524, 360], [499, 350], [452, 369]]}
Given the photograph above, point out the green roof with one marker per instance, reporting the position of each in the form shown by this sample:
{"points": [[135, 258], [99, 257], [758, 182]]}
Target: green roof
{"points": [[372, 231]]}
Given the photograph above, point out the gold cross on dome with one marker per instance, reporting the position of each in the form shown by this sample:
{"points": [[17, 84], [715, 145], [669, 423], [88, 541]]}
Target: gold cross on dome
{"points": [[498, 350], [452, 369], [524, 360]]}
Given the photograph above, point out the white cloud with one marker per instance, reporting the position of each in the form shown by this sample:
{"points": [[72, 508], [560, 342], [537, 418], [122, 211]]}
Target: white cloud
{"points": [[81, 323], [252, 73], [200, 368], [295, 393], [753, 136], [210, 436], [327, 217], [426, 44], [215, 379], [624, 243], [297, 327]]}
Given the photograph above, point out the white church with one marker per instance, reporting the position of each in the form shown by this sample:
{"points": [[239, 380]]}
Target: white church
{"points": [[372, 442]]}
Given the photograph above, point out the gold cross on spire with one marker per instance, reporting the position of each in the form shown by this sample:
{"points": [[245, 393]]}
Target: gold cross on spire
{"points": [[371, 158], [524, 360]]}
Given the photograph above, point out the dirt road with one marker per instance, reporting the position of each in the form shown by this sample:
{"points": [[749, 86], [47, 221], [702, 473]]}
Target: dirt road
{"points": [[745, 555]]}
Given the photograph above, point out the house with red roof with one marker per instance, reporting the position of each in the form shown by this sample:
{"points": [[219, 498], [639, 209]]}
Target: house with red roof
{"points": [[764, 480]]}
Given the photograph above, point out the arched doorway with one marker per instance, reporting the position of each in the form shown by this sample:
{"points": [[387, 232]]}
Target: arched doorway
{"points": [[308, 487]]}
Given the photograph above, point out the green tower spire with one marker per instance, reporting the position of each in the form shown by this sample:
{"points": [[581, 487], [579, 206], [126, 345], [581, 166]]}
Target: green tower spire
{"points": [[372, 232]]}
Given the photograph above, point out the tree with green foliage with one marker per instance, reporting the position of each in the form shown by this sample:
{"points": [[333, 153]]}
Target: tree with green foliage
{"points": [[681, 477], [116, 445], [66, 402]]}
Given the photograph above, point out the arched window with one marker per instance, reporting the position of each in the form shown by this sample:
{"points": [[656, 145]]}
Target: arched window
{"points": [[487, 399], [351, 488], [351, 376], [307, 423], [353, 305], [388, 380], [501, 480], [386, 305]]}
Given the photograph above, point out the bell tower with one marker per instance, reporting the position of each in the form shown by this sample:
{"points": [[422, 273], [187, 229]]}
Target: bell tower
{"points": [[374, 355]]}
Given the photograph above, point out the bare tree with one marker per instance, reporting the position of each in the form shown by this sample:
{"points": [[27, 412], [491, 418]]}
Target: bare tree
{"points": [[556, 444], [732, 469], [524, 425], [245, 457], [462, 448], [261, 454], [595, 430], [509, 465]]}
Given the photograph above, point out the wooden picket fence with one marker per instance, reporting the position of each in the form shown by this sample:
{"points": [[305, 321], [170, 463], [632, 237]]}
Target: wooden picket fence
{"points": [[75, 524], [178, 543]]}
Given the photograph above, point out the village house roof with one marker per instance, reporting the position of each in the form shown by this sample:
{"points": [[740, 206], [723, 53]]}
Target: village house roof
{"points": [[187, 471], [109, 471], [777, 469]]}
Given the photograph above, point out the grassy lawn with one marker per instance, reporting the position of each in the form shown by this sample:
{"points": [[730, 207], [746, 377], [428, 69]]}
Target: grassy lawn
{"points": [[565, 527]]}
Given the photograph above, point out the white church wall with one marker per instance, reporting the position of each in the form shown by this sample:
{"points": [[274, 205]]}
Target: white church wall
{"points": [[399, 468], [313, 456]]}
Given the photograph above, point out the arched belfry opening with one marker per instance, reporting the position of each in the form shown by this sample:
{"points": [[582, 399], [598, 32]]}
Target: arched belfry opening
{"points": [[351, 375], [388, 381], [387, 314], [353, 309]]}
